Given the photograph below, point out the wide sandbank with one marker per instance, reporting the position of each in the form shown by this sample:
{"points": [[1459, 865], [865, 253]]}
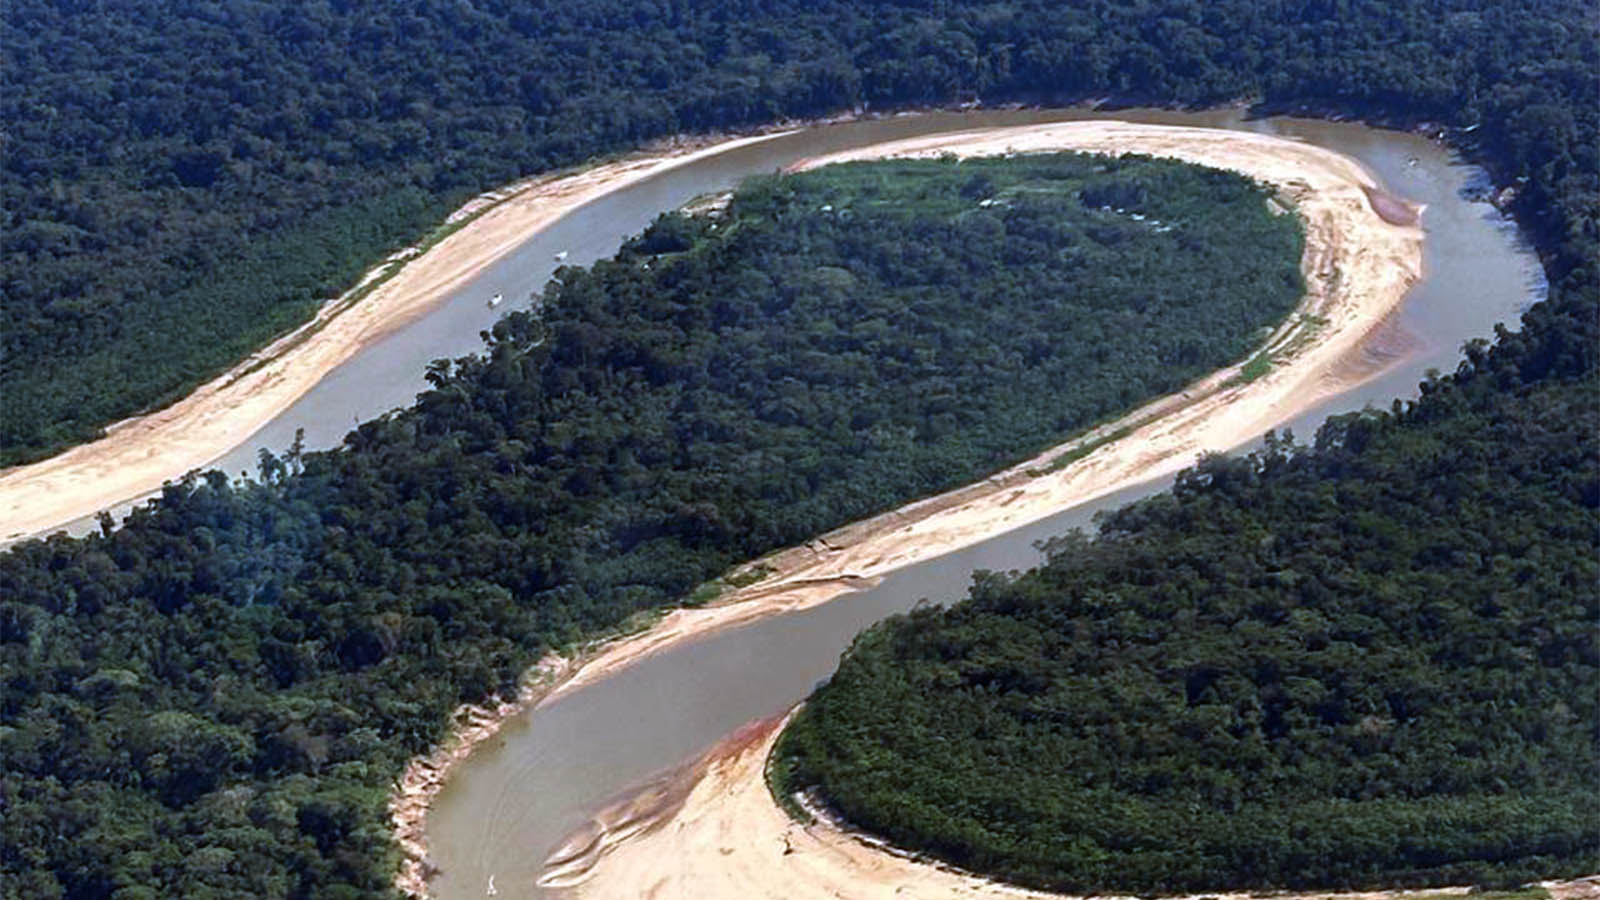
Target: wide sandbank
{"points": [[137, 455], [1358, 265]]}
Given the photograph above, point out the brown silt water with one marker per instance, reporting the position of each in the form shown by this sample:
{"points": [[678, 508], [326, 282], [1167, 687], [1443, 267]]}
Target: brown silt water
{"points": [[552, 769]]}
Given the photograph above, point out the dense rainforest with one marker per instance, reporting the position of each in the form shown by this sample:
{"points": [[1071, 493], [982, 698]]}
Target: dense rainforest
{"points": [[176, 176], [217, 695], [1367, 663], [185, 180]]}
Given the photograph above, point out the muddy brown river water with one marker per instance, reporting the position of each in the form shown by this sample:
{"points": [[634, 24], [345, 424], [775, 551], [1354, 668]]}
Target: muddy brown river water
{"points": [[507, 806], [518, 795]]}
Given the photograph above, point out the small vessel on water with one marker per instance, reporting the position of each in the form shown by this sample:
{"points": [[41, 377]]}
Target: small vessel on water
{"points": [[492, 890], [561, 255], [495, 300]]}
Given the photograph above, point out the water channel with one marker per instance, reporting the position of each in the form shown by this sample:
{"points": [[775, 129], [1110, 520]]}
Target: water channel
{"points": [[519, 794], [515, 798]]}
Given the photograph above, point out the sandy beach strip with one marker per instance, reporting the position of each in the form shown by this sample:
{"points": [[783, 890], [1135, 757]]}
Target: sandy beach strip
{"points": [[1358, 267], [139, 454], [719, 836]]}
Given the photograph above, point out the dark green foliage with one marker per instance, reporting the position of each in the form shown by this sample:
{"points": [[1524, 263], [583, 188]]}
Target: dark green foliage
{"points": [[185, 180], [220, 692], [1371, 664], [319, 628]]}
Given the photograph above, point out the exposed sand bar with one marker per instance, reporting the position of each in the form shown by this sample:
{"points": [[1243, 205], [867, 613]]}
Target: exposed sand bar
{"points": [[1358, 266], [727, 840], [139, 454]]}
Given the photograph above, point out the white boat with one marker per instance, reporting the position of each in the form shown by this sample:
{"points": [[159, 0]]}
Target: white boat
{"points": [[561, 255], [495, 300], [491, 891]]}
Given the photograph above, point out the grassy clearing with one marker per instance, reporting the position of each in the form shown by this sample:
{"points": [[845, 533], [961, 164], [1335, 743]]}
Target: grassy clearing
{"points": [[732, 581], [1079, 452], [1258, 366]]}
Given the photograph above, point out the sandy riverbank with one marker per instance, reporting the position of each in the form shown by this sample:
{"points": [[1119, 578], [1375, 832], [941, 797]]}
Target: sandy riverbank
{"points": [[1358, 266], [137, 455], [720, 837]]}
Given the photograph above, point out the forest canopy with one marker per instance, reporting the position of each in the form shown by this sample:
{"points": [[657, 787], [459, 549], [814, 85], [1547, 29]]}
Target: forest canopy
{"points": [[186, 180], [212, 698], [217, 695], [1371, 664]]}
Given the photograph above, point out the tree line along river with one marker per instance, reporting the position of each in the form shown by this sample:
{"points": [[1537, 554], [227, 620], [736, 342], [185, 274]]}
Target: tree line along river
{"points": [[548, 769]]}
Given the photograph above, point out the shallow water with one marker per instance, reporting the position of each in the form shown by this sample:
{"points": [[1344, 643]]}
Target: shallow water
{"points": [[515, 798]]}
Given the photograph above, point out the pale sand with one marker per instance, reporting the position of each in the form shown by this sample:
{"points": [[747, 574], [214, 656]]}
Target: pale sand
{"points": [[728, 838], [138, 455], [1358, 267], [725, 839]]}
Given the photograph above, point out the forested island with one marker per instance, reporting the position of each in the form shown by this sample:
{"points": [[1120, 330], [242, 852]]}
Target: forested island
{"points": [[213, 697], [186, 180], [219, 693]]}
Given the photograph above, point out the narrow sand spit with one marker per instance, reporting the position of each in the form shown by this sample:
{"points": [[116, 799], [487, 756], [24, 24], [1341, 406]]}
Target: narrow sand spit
{"points": [[728, 841], [137, 455], [1358, 266]]}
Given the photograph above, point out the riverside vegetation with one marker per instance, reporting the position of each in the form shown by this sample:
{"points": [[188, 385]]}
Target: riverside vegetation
{"points": [[1363, 663], [217, 695], [1366, 663], [186, 180], [248, 605]]}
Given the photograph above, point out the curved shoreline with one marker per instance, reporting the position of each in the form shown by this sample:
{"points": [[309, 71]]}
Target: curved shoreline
{"points": [[729, 839], [1314, 358], [139, 454], [1358, 267]]}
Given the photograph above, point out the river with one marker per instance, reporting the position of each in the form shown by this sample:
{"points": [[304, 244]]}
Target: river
{"points": [[549, 768]]}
